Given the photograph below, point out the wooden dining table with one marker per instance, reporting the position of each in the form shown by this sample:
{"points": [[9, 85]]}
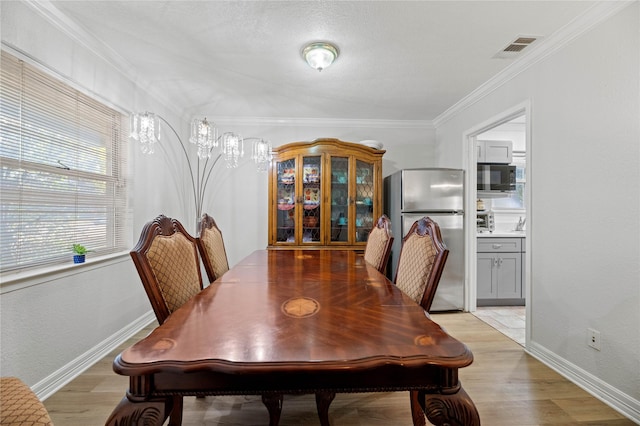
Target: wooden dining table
{"points": [[296, 321]]}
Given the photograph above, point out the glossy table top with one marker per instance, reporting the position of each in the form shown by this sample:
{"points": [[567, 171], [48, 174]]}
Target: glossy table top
{"points": [[290, 310]]}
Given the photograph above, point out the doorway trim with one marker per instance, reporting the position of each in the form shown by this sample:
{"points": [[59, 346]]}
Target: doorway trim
{"points": [[469, 151]]}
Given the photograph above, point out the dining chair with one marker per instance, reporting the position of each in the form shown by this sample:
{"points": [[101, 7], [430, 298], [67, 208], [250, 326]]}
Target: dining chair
{"points": [[20, 406], [166, 258], [422, 259], [211, 247], [379, 243]]}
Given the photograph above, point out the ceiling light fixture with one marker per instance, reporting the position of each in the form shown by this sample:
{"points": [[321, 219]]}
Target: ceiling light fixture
{"points": [[320, 54]]}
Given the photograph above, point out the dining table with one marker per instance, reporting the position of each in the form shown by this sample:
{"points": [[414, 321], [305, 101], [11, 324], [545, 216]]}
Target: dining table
{"points": [[284, 322]]}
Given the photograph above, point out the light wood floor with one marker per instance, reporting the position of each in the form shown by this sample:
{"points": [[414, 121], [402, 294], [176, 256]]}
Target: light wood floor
{"points": [[508, 320], [508, 387]]}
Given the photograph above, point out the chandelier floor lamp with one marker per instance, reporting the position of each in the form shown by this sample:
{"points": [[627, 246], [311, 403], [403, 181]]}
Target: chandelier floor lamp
{"points": [[145, 128]]}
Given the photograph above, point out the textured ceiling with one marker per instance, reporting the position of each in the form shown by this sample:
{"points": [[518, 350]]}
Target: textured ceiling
{"points": [[398, 60]]}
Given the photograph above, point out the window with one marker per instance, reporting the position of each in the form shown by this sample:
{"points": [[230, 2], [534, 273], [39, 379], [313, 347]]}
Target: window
{"points": [[62, 163]]}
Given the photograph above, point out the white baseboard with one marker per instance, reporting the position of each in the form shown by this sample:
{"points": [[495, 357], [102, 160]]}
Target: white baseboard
{"points": [[55, 381], [619, 401]]}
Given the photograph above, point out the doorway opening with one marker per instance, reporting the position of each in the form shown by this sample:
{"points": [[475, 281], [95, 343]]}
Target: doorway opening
{"points": [[497, 291]]}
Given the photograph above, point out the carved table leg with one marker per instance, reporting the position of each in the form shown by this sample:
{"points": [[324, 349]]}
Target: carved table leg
{"points": [[175, 418], [455, 409], [148, 413], [417, 412], [323, 401], [273, 402]]}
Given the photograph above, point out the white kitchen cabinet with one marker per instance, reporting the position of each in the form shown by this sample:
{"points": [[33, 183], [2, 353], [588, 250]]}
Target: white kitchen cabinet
{"points": [[494, 152], [487, 288], [499, 271]]}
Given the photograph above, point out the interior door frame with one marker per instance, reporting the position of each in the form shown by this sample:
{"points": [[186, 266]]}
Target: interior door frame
{"points": [[469, 149]]}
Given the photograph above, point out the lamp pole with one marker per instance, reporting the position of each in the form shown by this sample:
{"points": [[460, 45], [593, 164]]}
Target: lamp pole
{"points": [[145, 128]]}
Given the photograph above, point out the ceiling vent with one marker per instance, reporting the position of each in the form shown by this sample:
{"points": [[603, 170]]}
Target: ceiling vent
{"points": [[513, 49]]}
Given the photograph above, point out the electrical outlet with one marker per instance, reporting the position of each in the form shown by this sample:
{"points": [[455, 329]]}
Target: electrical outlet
{"points": [[593, 338]]}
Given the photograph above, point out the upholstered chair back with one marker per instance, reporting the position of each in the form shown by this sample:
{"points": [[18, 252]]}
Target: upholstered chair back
{"points": [[422, 259], [166, 258], [378, 246], [211, 246]]}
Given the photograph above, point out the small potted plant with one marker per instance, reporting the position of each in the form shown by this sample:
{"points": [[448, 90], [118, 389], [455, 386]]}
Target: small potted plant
{"points": [[79, 251]]}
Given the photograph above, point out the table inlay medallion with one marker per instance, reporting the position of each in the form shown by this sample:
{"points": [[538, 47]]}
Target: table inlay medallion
{"points": [[300, 307]]}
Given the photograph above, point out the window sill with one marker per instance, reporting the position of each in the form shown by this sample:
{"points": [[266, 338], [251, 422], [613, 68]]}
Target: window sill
{"points": [[19, 280]]}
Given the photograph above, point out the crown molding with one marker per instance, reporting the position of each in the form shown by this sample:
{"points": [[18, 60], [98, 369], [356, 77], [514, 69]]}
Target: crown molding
{"points": [[79, 35], [591, 17], [52, 14], [556, 41], [323, 122]]}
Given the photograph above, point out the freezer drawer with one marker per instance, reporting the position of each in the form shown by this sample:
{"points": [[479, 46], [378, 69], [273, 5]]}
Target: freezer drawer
{"points": [[427, 190]]}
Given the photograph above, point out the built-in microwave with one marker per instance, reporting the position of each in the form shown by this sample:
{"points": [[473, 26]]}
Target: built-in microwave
{"points": [[496, 177]]}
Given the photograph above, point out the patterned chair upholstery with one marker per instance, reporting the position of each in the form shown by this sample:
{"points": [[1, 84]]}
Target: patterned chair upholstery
{"points": [[19, 406], [378, 246], [166, 258], [211, 246], [422, 259]]}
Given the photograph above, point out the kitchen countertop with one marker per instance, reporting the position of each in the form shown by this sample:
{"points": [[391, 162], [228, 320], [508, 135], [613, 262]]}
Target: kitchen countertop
{"points": [[502, 234]]}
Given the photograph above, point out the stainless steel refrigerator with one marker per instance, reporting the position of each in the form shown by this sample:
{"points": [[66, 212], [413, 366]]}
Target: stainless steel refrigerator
{"points": [[437, 193]]}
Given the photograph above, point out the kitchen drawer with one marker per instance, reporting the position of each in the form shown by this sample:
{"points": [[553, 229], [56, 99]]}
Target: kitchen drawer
{"points": [[499, 245]]}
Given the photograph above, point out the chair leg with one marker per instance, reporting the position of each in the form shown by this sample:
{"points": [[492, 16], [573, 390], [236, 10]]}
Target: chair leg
{"points": [[417, 414], [323, 401], [175, 419]]}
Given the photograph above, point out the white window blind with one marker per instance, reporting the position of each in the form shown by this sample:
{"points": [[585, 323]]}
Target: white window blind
{"points": [[62, 163]]}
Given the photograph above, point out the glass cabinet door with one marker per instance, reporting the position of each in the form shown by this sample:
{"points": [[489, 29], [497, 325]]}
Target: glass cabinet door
{"points": [[326, 193], [364, 200], [311, 197], [286, 212], [340, 199]]}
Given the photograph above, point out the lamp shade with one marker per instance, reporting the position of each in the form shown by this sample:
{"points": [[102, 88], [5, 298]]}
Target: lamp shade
{"points": [[320, 55]]}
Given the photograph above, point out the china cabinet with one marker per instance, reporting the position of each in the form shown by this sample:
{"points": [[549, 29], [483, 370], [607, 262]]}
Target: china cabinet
{"points": [[324, 194]]}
